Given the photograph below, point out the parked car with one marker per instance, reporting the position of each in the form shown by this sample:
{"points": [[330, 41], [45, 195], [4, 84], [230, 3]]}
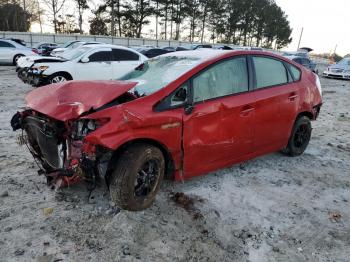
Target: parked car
{"points": [[89, 62], [174, 49], [222, 47], [11, 51], [197, 46], [153, 52], [179, 115], [44, 48], [64, 47], [340, 70], [304, 61], [18, 41]]}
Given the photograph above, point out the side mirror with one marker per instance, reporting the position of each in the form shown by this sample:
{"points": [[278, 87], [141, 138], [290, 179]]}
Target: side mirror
{"points": [[188, 109], [85, 60]]}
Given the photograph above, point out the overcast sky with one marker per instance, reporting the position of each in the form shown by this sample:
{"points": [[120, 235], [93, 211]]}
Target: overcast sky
{"points": [[326, 23]]}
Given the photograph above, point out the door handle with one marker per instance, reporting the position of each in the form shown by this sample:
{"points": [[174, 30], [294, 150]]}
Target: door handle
{"points": [[292, 97], [246, 110]]}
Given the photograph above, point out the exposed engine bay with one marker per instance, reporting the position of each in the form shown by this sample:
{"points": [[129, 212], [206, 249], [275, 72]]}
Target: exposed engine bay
{"points": [[59, 148]]}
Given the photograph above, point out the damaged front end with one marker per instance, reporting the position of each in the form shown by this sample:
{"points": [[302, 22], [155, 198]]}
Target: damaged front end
{"points": [[56, 124], [60, 150]]}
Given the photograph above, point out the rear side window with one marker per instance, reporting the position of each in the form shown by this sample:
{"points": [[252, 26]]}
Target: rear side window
{"points": [[295, 72], [269, 72], [225, 78], [102, 56], [124, 55], [5, 44]]}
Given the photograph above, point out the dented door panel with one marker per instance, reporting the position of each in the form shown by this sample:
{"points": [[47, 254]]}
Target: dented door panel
{"points": [[217, 133]]}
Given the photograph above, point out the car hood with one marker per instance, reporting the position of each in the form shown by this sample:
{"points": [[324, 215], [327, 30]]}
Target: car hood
{"points": [[27, 61], [68, 100]]}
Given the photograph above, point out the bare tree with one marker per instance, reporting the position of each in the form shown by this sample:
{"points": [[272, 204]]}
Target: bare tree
{"points": [[54, 7], [82, 5]]}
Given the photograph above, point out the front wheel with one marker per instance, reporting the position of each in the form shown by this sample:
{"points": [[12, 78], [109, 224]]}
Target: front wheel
{"points": [[136, 179], [15, 59], [58, 79], [300, 137]]}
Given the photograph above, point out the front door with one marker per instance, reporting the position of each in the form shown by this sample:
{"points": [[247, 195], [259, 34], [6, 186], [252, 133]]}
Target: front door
{"points": [[219, 130]]}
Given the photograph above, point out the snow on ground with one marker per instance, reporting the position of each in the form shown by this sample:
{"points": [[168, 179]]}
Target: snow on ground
{"points": [[273, 208]]}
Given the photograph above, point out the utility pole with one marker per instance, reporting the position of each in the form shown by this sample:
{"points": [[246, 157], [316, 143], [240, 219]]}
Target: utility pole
{"points": [[301, 35], [335, 48], [113, 19]]}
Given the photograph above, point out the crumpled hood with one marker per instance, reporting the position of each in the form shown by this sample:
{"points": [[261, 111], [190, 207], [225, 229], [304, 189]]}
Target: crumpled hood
{"points": [[68, 100], [27, 61]]}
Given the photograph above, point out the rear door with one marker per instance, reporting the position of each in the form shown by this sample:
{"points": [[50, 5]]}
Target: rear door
{"points": [[7, 51], [123, 62], [219, 130], [99, 66], [277, 100]]}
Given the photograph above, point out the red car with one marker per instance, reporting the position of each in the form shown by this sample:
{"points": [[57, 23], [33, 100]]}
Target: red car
{"points": [[179, 115]]}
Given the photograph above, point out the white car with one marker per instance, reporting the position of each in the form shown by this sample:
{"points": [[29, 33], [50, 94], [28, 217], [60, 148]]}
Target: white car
{"points": [[73, 45], [340, 70], [90, 62], [10, 51]]}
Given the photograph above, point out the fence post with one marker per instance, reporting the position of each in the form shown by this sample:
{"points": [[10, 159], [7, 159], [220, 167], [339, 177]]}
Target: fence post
{"points": [[112, 40], [31, 39], [54, 38], [143, 41], [4, 34], [128, 41]]}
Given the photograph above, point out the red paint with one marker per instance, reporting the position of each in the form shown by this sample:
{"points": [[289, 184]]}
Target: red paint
{"points": [[68, 100], [217, 134]]}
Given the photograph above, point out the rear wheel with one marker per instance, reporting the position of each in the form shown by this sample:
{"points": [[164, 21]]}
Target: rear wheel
{"points": [[136, 179], [300, 137]]}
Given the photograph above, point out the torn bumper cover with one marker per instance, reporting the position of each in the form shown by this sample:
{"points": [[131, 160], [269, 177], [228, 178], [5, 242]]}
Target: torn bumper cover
{"points": [[60, 150]]}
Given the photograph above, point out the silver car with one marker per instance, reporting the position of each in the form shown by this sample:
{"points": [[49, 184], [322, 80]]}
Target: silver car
{"points": [[10, 51], [339, 70]]}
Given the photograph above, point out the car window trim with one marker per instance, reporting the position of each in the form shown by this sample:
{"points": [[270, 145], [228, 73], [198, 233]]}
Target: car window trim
{"points": [[274, 58], [158, 108], [290, 71]]}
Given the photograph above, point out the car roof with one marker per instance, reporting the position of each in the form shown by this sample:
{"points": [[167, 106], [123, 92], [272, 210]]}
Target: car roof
{"points": [[202, 54]]}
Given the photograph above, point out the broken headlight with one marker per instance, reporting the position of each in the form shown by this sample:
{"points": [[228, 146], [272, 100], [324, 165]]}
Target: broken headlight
{"points": [[83, 127], [40, 68]]}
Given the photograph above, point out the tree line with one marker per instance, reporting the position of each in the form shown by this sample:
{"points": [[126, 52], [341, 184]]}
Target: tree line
{"points": [[242, 22]]}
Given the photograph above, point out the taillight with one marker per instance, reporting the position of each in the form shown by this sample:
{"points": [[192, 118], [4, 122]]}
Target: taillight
{"points": [[318, 84], [35, 50]]}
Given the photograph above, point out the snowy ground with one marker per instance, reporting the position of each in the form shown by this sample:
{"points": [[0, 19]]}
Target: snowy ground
{"points": [[273, 208]]}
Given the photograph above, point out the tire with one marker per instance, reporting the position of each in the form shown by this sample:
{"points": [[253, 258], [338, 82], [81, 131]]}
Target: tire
{"points": [[16, 57], [137, 167], [300, 137], [58, 78]]}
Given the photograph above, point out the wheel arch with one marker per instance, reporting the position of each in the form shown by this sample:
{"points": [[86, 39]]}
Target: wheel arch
{"points": [[168, 158], [13, 59], [65, 73], [305, 113]]}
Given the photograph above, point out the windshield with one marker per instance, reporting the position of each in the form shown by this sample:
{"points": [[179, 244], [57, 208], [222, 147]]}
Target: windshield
{"points": [[73, 54], [156, 73], [345, 61]]}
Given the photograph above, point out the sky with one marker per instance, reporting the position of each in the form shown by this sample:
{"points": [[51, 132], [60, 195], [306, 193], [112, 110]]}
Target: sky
{"points": [[326, 24]]}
